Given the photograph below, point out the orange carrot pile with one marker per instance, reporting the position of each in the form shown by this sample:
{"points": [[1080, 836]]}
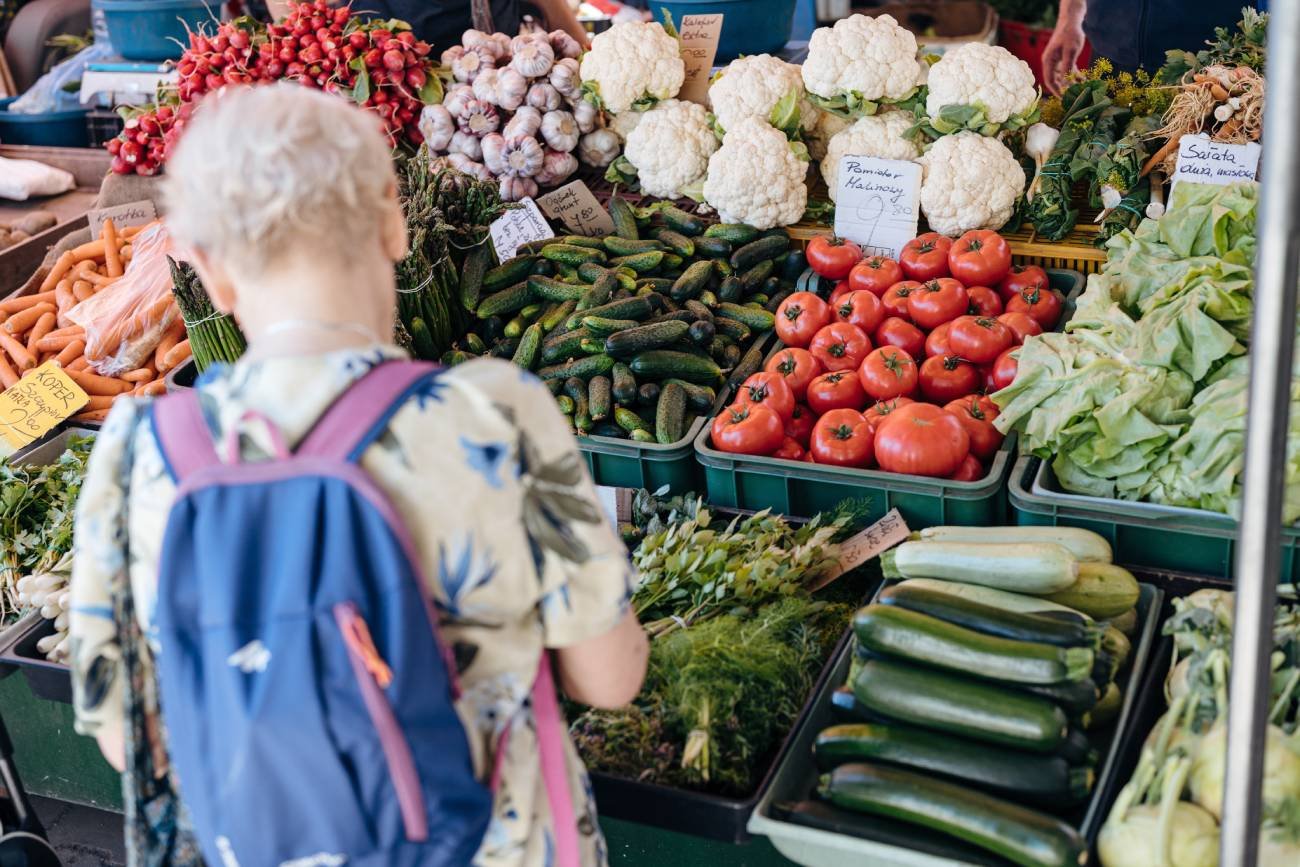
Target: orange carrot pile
{"points": [[35, 328]]}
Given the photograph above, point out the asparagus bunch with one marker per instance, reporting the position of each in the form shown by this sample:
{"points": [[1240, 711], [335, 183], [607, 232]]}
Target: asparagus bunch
{"points": [[213, 336]]}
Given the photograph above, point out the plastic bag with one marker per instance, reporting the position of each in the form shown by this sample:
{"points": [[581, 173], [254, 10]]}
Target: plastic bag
{"points": [[22, 179], [127, 319], [49, 94]]}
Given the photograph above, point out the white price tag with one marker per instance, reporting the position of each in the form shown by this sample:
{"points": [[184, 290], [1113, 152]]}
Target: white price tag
{"points": [[518, 226], [574, 205], [877, 203], [700, 35], [1211, 162]]}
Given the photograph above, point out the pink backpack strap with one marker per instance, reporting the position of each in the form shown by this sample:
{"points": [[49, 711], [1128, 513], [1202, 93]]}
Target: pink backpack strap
{"points": [[182, 434], [362, 413], [555, 766]]}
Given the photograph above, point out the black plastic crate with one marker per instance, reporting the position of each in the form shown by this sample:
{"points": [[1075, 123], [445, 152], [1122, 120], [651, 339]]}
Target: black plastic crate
{"points": [[51, 681]]}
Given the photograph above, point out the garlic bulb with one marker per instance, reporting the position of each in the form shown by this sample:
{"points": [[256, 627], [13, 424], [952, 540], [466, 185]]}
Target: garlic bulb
{"points": [[514, 188], [437, 126], [468, 66], [543, 97], [560, 130], [599, 147], [485, 85], [566, 78], [586, 115], [511, 88], [527, 121], [475, 39], [480, 118], [563, 44], [462, 163], [532, 59], [494, 150], [556, 168], [522, 157], [466, 144], [1039, 141], [500, 45], [451, 55], [458, 95]]}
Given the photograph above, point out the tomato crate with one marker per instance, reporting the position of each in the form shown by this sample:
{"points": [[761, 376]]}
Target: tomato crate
{"points": [[1149, 535], [803, 489]]}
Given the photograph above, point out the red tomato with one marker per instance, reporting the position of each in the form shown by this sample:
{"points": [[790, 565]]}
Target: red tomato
{"points": [[983, 301], [947, 377], [895, 299], [799, 426], [1020, 278], [875, 275], [1005, 369], [860, 308], [831, 257], [971, 470], [887, 373], [801, 316], [840, 389], [936, 342], [976, 414], [925, 257], [840, 346], [748, 430], [880, 410], [769, 389], [979, 339], [921, 439], [790, 450], [936, 302], [1022, 325], [902, 334], [980, 258], [1042, 305], [842, 438], [841, 289], [798, 366]]}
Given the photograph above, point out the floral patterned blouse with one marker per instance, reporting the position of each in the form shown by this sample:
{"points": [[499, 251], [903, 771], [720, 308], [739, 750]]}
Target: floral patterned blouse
{"points": [[504, 517]]}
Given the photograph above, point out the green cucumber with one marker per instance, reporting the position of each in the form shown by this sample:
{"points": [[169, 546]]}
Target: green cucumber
{"points": [[474, 344], [1023, 836], [674, 316], [648, 394], [692, 282], [600, 292], [676, 242], [733, 233], [550, 289], [629, 420], [672, 262], [1036, 568], [608, 429], [421, 338], [624, 218], [627, 308], [731, 356], [736, 330], [617, 246], [559, 347], [543, 267], [731, 290], [1117, 645], [628, 343], [641, 263], [556, 316], [583, 368], [670, 414], [960, 705], [752, 278], [571, 255], [680, 221], [699, 310], [453, 357], [793, 264], [700, 398], [748, 364], [668, 364], [1012, 773], [701, 333], [581, 241], [641, 435], [602, 327], [511, 300], [660, 285], [508, 273], [1085, 545], [774, 303], [504, 348], [1102, 590], [471, 276], [592, 345], [915, 637], [989, 619], [599, 398], [565, 403], [708, 299], [526, 353], [755, 320], [751, 254], [713, 248], [624, 383]]}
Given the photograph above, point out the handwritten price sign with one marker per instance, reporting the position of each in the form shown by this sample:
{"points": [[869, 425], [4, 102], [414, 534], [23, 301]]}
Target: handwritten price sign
{"points": [[877, 203], [574, 205], [1211, 162], [34, 405], [518, 226], [889, 531], [699, 35]]}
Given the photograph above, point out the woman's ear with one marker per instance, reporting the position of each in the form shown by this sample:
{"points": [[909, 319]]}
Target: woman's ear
{"points": [[392, 229], [215, 281]]}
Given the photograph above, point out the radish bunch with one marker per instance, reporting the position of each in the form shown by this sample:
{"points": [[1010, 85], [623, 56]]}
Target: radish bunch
{"points": [[381, 65]]}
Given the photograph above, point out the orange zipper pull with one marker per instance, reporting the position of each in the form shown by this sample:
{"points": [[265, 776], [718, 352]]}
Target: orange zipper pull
{"points": [[358, 638]]}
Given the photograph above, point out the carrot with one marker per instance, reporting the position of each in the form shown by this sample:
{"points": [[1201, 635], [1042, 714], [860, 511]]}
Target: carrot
{"points": [[98, 402], [7, 375], [93, 415], [67, 331], [71, 352], [131, 231], [13, 305], [165, 346], [156, 387], [95, 384], [140, 374], [81, 362], [57, 342], [112, 255], [61, 267], [17, 323], [178, 354], [89, 250], [82, 290], [1160, 155], [39, 330], [23, 359]]}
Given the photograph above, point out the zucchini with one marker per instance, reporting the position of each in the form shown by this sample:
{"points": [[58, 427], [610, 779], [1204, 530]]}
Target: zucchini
{"points": [[641, 263], [1021, 835], [916, 637], [600, 292], [1077, 697], [670, 414], [550, 289], [701, 333], [629, 342], [526, 353], [648, 394], [1117, 645], [1085, 545], [627, 308], [583, 368], [1007, 772], [508, 273], [624, 218], [571, 254], [1126, 623], [1037, 568], [680, 221], [748, 364], [692, 282], [599, 398], [960, 705], [1102, 590], [756, 319], [713, 248], [1077, 749], [756, 251], [846, 705], [602, 327], [732, 233], [989, 619], [624, 383], [630, 421], [1003, 599], [676, 242], [511, 300], [471, 276], [698, 397], [560, 347], [556, 316], [1106, 709], [616, 246], [669, 364]]}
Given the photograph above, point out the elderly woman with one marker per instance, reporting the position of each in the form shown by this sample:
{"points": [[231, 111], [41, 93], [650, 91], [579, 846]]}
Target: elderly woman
{"points": [[285, 199]]}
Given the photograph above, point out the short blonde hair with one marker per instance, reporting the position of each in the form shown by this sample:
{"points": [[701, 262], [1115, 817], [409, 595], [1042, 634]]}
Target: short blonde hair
{"points": [[262, 172]]}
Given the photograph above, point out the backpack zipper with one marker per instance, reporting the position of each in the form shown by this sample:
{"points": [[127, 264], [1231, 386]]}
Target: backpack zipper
{"points": [[373, 677]]}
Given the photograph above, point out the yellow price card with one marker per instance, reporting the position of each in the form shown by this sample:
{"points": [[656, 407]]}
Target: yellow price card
{"points": [[34, 405]]}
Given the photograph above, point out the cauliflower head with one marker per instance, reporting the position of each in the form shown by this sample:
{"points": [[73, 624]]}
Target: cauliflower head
{"points": [[862, 60], [671, 147], [819, 137], [752, 87], [881, 135], [987, 78], [756, 177], [631, 64], [624, 123], [969, 182]]}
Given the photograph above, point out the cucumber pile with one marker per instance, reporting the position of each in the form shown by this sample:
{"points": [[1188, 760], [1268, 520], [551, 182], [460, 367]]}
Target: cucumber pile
{"points": [[976, 680], [636, 333]]}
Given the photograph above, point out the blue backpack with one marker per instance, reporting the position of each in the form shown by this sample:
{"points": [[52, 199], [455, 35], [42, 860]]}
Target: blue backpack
{"points": [[307, 698]]}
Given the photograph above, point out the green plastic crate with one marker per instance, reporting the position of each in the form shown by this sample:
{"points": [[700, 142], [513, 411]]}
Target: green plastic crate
{"points": [[1142, 534]]}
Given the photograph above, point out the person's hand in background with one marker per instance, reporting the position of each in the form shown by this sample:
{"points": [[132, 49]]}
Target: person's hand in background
{"points": [[1063, 49]]}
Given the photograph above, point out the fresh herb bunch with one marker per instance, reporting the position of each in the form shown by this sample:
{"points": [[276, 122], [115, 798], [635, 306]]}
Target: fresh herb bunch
{"points": [[1050, 212], [214, 337], [1141, 92]]}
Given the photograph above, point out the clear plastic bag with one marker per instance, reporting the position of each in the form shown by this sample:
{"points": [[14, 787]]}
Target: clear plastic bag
{"points": [[126, 320], [49, 94]]}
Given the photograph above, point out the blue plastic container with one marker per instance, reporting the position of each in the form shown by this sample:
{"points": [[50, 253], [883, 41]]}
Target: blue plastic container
{"points": [[748, 26], [60, 129], [152, 30]]}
